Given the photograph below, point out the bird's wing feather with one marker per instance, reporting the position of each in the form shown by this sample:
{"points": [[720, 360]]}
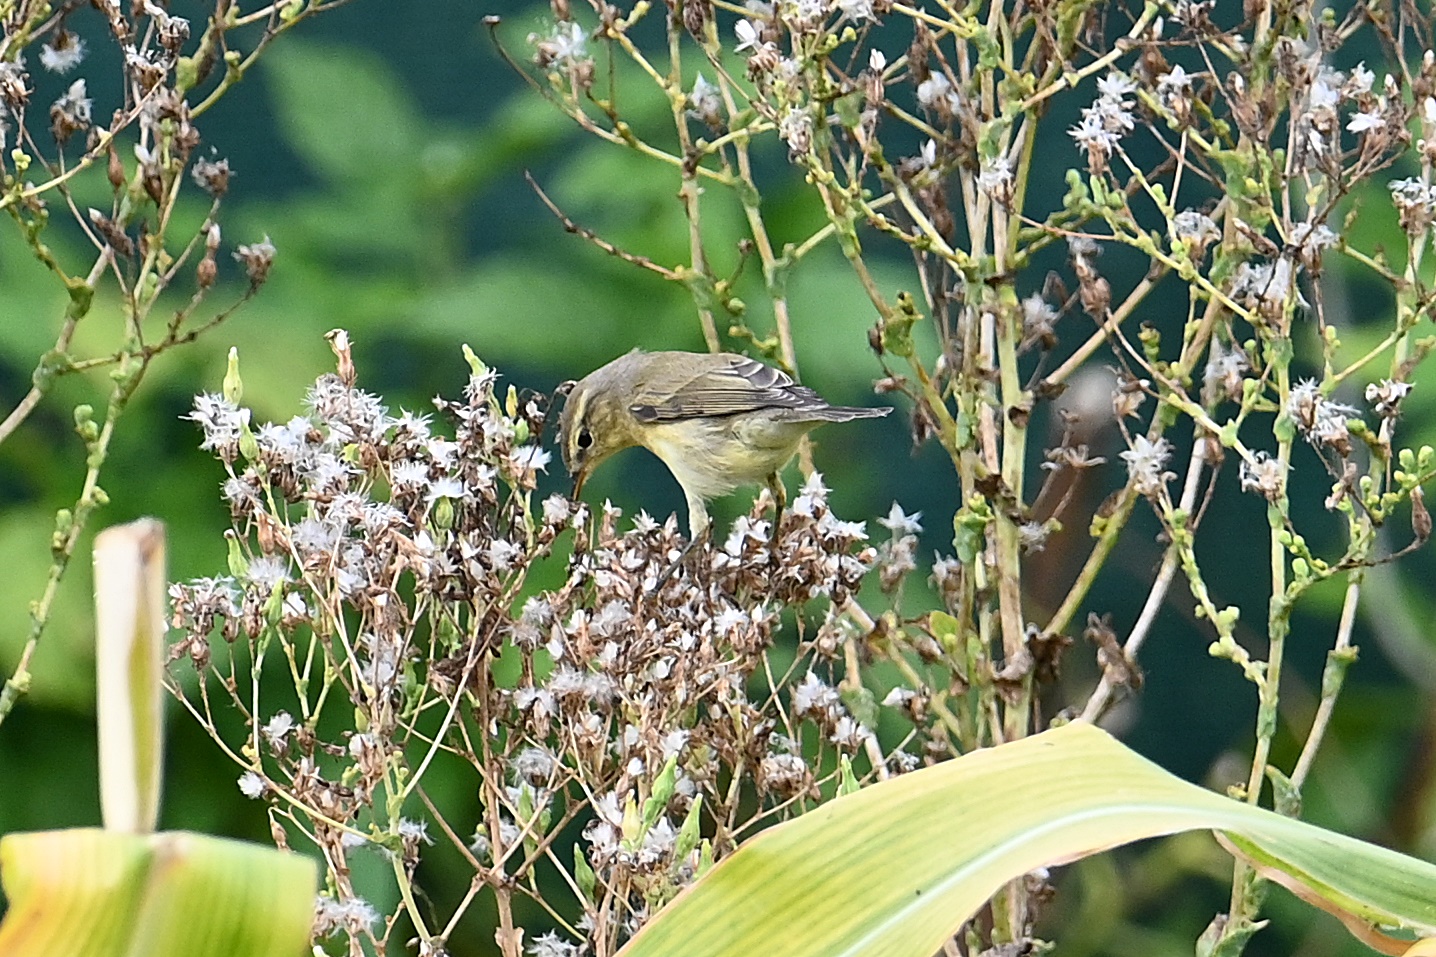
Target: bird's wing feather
{"points": [[738, 385], [723, 388]]}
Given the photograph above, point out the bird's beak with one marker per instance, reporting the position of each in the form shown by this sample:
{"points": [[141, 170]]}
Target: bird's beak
{"points": [[578, 480]]}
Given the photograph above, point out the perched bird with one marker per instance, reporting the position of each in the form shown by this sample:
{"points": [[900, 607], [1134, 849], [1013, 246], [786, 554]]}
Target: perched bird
{"points": [[717, 421]]}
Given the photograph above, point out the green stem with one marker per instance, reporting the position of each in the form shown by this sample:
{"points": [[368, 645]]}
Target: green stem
{"points": [[90, 498]]}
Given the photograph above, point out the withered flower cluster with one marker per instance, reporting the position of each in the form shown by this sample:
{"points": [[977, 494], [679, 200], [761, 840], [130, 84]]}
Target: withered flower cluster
{"points": [[386, 612]]}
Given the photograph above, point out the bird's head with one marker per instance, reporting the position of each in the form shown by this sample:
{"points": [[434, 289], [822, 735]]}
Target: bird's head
{"points": [[596, 421]]}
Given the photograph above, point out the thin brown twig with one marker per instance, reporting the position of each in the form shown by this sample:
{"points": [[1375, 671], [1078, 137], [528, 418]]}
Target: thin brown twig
{"points": [[572, 227]]}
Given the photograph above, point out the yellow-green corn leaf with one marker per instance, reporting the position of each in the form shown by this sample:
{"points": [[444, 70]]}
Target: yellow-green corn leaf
{"points": [[129, 663], [896, 868], [92, 893]]}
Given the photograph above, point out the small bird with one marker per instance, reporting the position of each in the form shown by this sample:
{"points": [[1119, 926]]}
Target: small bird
{"points": [[717, 421]]}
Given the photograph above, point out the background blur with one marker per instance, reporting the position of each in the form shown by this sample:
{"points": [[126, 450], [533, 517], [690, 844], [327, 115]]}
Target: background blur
{"points": [[382, 148]]}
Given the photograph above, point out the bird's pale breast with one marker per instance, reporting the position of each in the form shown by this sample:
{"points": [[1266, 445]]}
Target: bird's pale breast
{"points": [[711, 457]]}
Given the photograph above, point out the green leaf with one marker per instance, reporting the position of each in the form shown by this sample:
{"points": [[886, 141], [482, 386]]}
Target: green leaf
{"points": [[657, 801], [898, 867], [583, 874], [945, 629], [689, 834], [343, 110], [91, 893]]}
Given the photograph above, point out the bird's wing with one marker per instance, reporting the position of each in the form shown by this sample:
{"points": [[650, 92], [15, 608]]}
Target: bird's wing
{"points": [[736, 385]]}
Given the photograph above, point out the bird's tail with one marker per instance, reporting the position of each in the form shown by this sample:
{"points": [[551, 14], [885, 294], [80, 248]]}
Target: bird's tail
{"points": [[846, 413]]}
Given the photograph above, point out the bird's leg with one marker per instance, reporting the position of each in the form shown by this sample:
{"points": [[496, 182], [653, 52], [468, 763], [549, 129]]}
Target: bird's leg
{"points": [[699, 529], [682, 557], [780, 501]]}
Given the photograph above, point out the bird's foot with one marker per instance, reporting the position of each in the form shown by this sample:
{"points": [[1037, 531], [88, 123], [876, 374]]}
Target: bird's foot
{"points": [[673, 566], [780, 502], [775, 538]]}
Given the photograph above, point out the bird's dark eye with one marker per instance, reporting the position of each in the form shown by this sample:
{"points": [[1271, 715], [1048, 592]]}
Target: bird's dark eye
{"points": [[585, 439]]}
